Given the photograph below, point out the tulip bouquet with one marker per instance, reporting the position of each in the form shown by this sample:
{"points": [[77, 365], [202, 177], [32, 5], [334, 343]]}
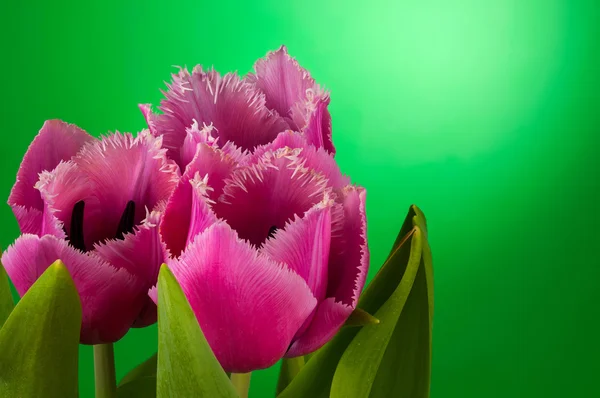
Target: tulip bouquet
{"points": [[229, 223]]}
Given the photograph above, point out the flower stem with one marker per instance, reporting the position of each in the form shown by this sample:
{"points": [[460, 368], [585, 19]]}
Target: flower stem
{"points": [[290, 367], [241, 382], [104, 371]]}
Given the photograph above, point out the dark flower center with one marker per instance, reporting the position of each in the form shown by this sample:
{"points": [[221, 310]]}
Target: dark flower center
{"points": [[126, 224], [76, 236], [272, 231]]}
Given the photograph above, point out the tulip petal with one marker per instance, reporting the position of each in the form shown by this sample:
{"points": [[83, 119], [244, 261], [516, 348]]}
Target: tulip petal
{"points": [[106, 175], [30, 220], [303, 245], [72, 186], [110, 297], [150, 118], [349, 254], [187, 214], [141, 252], [348, 265], [283, 81], [195, 136], [294, 94], [235, 108], [214, 163], [268, 193], [206, 135], [315, 157], [147, 315], [248, 306], [329, 317], [56, 141], [288, 138], [315, 120]]}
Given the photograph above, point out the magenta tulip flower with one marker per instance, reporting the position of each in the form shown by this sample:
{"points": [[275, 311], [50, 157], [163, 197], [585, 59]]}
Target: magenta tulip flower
{"points": [[248, 112], [95, 205], [268, 246]]}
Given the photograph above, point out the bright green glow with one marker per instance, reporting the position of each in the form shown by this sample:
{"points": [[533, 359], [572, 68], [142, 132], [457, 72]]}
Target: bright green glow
{"points": [[484, 113]]}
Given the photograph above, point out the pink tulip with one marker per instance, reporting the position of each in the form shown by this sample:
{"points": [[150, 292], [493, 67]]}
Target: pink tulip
{"points": [[269, 246], [94, 204], [247, 111]]}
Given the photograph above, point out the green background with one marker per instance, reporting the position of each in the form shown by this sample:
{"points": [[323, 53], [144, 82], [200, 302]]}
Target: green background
{"points": [[484, 113]]}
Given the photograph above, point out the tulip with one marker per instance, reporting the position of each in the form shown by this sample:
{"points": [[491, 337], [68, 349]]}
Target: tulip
{"points": [[268, 246], [247, 111], [56, 142], [95, 205]]}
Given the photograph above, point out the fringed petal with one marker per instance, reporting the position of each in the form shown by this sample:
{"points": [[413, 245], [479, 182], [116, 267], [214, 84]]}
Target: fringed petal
{"points": [[140, 252], [314, 120], [57, 141], [107, 175], [195, 136], [248, 306], [213, 163], [303, 244], [234, 107], [293, 93], [111, 298], [265, 195], [314, 157], [349, 254], [187, 214], [328, 318], [283, 81]]}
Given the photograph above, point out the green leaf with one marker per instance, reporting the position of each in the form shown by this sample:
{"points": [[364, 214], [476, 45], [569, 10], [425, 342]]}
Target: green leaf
{"points": [[6, 301], [315, 379], [394, 357], [144, 370], [186, 365], [360, 317], [140, 381], [40, 339], [144, 387], [290, 367]]}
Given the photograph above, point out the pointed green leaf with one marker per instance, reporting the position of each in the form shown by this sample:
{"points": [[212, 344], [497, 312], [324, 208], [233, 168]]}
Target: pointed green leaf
{"points": [[360, 317], [6, 301], [290, 367], [40, 339], [144, 387], [143, 370], [186, 365], [394, 357], [315, 379], [140, 382]]}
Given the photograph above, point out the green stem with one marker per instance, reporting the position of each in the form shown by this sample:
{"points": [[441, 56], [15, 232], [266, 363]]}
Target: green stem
{"points": [[241, 382], [290, 367], [104, 371]]}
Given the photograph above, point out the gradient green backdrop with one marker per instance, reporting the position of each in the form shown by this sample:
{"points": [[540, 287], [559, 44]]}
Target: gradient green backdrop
{"points": [[484, 113]]}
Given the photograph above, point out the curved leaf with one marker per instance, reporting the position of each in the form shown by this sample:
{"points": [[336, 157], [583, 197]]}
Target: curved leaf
{"points": [[290, 367], [187, 366], [315, 379], [6, 301], [360, 317], [143, 387], [144, 370], [140, 381], [394, 357], [40, 339]]}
